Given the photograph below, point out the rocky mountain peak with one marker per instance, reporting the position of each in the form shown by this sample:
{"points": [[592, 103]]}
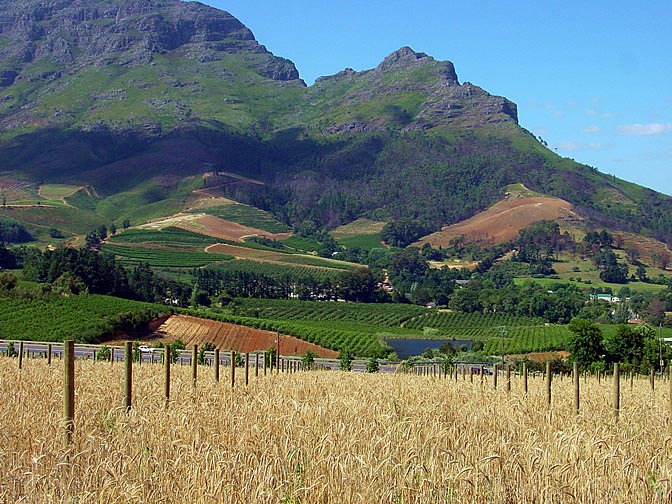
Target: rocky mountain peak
{"points": [[406, 57], [403, 58], [80, 33]]}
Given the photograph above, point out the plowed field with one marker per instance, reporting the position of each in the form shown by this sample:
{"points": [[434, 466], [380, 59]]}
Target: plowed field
{"points": [[227, 230], [192, 330], [502, 221]]}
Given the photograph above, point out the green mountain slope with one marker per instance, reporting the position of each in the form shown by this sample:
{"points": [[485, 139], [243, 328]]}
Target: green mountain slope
{"points": [[138, 100]]}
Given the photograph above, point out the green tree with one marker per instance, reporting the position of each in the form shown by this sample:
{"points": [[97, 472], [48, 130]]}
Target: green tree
{"points": [[8, 282], [372, 365], [200, 298], [635, 345], [308, 360], [207, 347], [271, 356], [345, 360], [585, 342], [135, 353], [615, 273], [104, 353], [175, 348], [11, 351], [641, 273], [357, 285]]}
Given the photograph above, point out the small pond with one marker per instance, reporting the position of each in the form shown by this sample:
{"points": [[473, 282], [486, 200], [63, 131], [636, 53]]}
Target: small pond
{"points": [[406, 348]]}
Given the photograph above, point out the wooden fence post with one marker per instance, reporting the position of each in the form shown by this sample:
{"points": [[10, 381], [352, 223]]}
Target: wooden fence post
{"points": [[508, 378], [20, 354], [525, 377], [549, 379], [256, 364], [652, 379], [233, 368], [167, 357], [576, 388], [69, 390], [128, 375], [49, 354], [617, 390], [217, 364], [194, 364], [669, 418], [247, 369], [495, 373]]}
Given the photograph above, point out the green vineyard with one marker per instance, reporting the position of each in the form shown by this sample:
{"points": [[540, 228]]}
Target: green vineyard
{"points": [[450, 322], [247, 216], [277, 271], [167, 237], [376, 315], [85, 319], [163, 258], [323, 323]]}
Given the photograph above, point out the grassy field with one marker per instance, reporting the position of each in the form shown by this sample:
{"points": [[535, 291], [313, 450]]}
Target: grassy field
{"points": [[584, 274], [362, 233], [58, 191], [327, 437], [586, 283]]}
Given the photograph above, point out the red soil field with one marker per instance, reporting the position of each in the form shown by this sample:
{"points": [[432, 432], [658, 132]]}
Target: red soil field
{"points": [[502, 221], [196, 331]]}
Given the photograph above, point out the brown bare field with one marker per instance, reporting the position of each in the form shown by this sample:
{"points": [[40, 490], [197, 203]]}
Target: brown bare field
{"points": [[212, 226], [502, 221], [327, 437], [196, 331], [227, 230]]}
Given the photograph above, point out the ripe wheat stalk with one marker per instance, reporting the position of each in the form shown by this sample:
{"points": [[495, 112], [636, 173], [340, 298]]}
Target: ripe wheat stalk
{"points": [[327, 437]]}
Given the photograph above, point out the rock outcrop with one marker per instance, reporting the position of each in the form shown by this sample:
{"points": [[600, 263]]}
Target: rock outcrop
{"points": [[75, 34]]}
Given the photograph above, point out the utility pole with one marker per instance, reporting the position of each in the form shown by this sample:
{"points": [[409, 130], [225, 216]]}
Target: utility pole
{"points": [[502, 332]]}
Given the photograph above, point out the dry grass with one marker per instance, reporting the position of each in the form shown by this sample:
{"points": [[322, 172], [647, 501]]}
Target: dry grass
{"points": [[502, 221], [327, 437]]}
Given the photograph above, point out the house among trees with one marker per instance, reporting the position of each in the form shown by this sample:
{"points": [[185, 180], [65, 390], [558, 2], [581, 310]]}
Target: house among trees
{"points": [[607, 298]]}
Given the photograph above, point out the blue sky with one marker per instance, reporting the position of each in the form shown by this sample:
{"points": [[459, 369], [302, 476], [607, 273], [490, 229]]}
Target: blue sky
{"points": [[593, 79]]}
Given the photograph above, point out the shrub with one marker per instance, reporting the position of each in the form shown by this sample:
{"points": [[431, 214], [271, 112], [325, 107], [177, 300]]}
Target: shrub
{"points": [[345, 360], [372, 365], [308, 360], [207, 347], [11, 351], [104, 354]]}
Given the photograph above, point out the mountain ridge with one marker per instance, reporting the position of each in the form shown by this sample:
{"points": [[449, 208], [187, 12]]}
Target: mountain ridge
{"points": [[171, 90]]}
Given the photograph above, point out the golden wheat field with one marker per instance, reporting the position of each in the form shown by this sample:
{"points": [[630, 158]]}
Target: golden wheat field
{"points": [[327, 437]]}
